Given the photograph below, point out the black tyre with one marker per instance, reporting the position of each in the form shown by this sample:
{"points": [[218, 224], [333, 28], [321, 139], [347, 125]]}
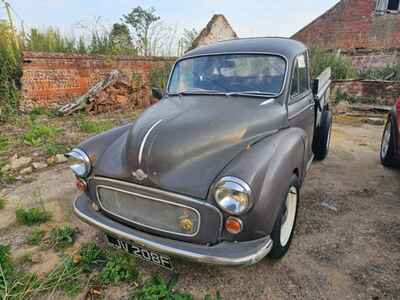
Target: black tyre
{"points": [[285, 223], [388, 145], [322, 136]]}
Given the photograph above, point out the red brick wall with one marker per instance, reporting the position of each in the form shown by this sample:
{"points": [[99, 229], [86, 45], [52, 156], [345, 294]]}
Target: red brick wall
{"points": [[352, 24], [53, 79], [381, 92]]}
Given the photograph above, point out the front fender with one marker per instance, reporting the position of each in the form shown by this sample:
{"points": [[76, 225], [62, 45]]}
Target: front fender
{"points": [[96, 145], [267, 167]]}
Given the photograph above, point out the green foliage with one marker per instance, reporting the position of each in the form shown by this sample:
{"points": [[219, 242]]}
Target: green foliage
{"points": [[6, 178], [158, 288], [32, 216], [88, 126], [35, 237], [120, 267], [61, 238], [49, 40], [158, 77], [389, 72], [40, 134], [3, 143], [2, 203], [121, 40], [10, 73], [341, 66], [141, 21], [40, 111], [91, 256]]}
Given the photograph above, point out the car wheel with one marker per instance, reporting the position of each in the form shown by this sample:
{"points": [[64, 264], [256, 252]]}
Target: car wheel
{"points": [[388, 145], [283, 230], [322, 137]]}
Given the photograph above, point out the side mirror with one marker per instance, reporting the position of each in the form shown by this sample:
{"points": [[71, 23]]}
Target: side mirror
{"points": [[156, 93]]}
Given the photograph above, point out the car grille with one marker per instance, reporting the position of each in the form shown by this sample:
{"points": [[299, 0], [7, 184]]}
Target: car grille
{"points": [[149, 212]]}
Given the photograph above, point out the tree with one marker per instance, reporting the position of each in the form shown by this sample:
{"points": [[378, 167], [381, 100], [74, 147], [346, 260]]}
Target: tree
{"points": [[121, 39], [141, 20], [185, 43]]}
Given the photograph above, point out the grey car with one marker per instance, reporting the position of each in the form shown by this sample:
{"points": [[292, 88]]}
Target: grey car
{"points": [[213, 171]]}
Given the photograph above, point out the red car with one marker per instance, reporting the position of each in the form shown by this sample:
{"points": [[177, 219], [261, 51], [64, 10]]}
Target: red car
{"points": [[390, 146]]}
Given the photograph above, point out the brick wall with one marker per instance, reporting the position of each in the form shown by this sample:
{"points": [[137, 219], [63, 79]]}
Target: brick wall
{"points": [[380, 92], [353, 24], [53, 79], [370, 58]]}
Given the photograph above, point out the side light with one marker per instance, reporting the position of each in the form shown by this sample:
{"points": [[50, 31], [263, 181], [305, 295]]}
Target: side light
{"points": [[234, 225], [80, 163]]}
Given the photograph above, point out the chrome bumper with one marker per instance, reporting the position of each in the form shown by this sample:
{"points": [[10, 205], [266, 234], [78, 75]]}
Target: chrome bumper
{"points": [[225, 253]]}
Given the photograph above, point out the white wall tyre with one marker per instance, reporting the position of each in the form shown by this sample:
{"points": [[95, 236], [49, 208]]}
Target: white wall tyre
{"points": [[282, 233]]}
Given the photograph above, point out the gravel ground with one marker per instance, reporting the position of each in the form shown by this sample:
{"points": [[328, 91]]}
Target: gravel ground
{"points": [[347, 242]]}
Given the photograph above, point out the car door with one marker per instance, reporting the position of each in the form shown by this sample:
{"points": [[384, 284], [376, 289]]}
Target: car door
{"points": [[301, 102]]}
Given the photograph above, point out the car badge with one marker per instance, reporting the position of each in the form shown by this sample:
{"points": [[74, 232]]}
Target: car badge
{"points": [[139, 175]]}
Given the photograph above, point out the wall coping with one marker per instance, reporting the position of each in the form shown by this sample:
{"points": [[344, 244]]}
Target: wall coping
{"points": [[29, 55], [365, 81]]}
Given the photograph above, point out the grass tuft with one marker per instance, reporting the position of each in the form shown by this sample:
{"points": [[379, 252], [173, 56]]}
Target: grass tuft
{"points": [[90, 256], [120, 267], [35, 237], [40, 134], [88, 126], [157, 288], [61, 238], [2, 203], [32, 216], [3, 143]]}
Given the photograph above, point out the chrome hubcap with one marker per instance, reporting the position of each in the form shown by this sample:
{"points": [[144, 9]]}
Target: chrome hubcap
{"points": [[386, 140], [289, 217]]}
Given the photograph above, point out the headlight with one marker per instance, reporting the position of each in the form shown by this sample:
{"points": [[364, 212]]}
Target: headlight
{"points": [[80, 163], [233, 195]]}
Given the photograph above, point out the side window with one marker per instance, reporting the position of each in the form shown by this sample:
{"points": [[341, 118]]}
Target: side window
{"points": [[300, 78]]}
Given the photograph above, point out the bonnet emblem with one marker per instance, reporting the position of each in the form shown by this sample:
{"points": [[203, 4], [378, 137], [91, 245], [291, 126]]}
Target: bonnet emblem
{"points": [[139, 175]]}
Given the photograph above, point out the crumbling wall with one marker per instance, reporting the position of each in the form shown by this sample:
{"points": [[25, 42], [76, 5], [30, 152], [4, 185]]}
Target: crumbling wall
{"points": [[53, 79], [374, 91], [218, 29]]}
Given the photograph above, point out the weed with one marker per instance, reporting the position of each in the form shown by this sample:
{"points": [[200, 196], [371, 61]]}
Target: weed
{"points": [[40, 134], [6, 178], [40, 111], [53, 148], [35, 237], [32, 216], [2, 203], [119, 267], [64, 276], [3, 143], [341, 66], [63, 237], [217, 297], [88, 126], [158, 288], [90, 256]]}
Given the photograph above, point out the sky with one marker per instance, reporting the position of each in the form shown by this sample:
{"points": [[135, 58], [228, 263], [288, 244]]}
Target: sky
{"points": [[247, 17]]}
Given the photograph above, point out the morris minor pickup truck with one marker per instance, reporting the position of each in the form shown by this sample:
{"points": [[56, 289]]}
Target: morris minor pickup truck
{"points": [[213, 171]]}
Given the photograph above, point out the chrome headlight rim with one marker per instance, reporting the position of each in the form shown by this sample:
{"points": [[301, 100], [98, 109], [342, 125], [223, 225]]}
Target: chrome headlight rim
{"points": [[80, 155], [241, 186]]}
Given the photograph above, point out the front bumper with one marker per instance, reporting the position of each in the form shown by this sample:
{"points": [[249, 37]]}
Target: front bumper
{"points": [[225, 253]]}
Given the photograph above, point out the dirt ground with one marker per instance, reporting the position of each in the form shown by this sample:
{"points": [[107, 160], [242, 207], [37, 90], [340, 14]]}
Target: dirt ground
{"points": [[347, 242]]}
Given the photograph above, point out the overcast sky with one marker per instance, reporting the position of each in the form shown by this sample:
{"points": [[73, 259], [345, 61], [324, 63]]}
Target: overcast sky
{"points": [[248, 17]]}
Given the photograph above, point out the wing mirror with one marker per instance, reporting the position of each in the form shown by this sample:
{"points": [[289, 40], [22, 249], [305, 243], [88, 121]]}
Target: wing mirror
{"points": [[156, 92]]}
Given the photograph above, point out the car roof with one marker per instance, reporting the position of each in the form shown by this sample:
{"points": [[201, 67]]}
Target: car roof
{"points": [[283, 46]]}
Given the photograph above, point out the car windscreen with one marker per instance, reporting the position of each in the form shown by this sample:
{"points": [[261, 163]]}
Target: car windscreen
{"points": [[229, 73]]}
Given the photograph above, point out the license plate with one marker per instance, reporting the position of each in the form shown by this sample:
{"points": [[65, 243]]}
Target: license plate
{"points": [[161, 260]]}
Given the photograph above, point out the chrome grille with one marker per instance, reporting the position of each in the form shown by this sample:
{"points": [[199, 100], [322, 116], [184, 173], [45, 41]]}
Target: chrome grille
{"points": [[149, 211]]}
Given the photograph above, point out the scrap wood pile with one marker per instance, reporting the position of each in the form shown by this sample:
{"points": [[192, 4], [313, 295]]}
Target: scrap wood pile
{"points": [[114, 92]]}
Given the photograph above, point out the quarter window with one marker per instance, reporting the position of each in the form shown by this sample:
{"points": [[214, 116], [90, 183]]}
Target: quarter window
{"points": [[300, 79]]}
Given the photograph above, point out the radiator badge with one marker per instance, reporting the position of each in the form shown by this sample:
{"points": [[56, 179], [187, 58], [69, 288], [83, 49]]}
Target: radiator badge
{"points": [[139, 175]]}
